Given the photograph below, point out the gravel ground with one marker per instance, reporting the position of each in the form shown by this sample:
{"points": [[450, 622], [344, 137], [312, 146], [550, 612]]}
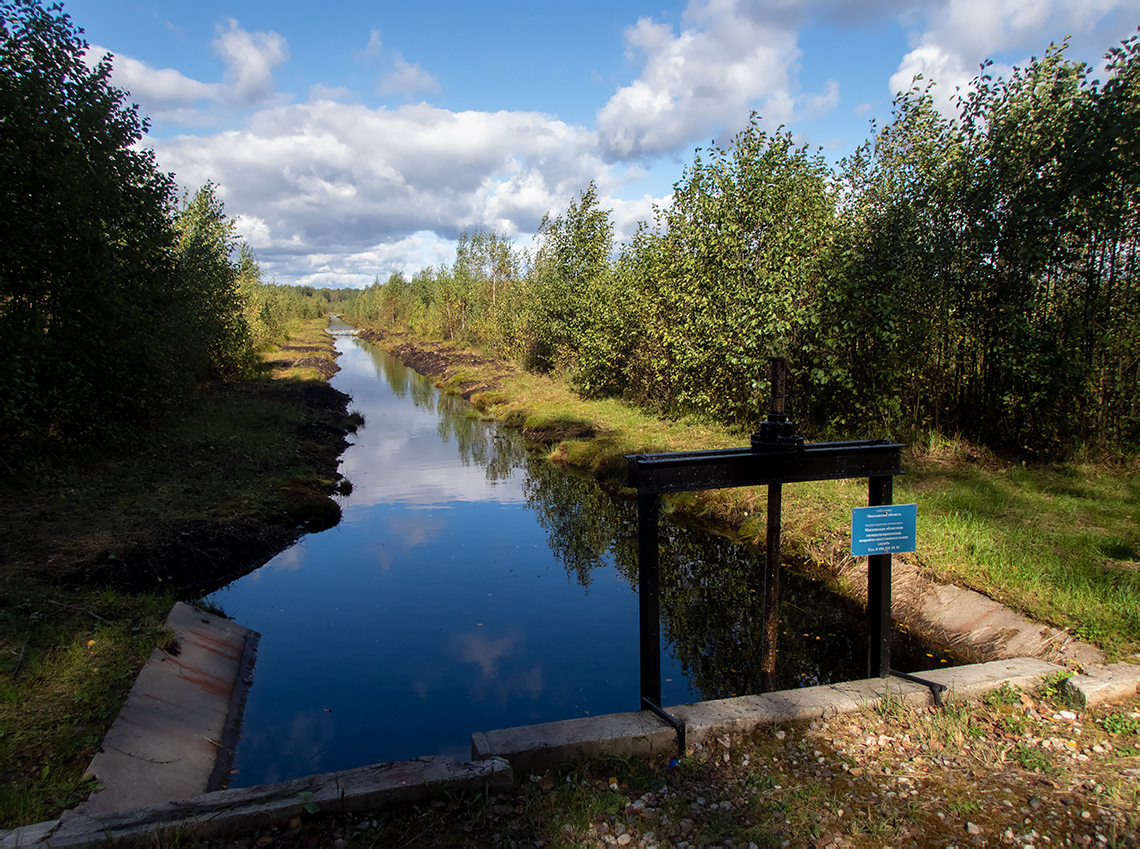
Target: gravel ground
{"points": [[1019, 769]]}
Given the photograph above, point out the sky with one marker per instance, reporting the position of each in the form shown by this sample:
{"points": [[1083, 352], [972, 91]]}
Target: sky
{"points": [[353, 140]]}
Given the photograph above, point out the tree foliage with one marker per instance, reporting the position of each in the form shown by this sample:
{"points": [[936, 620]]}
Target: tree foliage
{"points": [[87, 249], [973, 275], [114, 302]]}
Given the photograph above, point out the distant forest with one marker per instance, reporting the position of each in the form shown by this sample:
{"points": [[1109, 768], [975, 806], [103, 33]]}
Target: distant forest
{"points": [[971, 276]]}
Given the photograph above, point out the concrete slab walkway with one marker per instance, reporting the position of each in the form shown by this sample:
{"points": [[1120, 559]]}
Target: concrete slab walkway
{"points": [[174, 738]]}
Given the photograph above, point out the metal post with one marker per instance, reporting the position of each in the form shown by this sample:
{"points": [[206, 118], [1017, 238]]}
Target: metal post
{"points": [[880, 492], [778, 376], [648, 600], [771, 590]]}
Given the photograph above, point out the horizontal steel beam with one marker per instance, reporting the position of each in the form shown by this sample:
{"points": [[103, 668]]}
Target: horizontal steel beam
{"points": [[691, 470]]}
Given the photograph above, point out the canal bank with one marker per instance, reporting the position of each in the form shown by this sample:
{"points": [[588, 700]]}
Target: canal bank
{"points": [[971, 624], [94, 551], [471, 584], [784, 753]]}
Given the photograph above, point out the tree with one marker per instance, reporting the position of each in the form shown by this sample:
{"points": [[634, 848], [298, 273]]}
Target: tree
{"points": [[569, 272], [211, 304], [86, 248]]}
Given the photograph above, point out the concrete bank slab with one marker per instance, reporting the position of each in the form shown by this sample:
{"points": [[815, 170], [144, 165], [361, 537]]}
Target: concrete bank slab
{"points": [[174, 737], [1104, 683], [227, 811], [533, 749]]}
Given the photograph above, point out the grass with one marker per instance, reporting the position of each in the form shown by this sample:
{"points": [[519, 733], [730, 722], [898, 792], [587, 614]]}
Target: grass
{"points": [[90, 554], [70, 659]]}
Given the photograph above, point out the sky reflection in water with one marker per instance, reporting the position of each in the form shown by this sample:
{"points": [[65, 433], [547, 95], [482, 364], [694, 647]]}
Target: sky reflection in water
{"points": [[471, 586]]}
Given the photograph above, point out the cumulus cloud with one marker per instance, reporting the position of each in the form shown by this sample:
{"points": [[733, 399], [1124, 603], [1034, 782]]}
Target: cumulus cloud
{"points": [[408, 78], [350, 188], [170, 96], [953, 37], [731, 57], [250, 59]]}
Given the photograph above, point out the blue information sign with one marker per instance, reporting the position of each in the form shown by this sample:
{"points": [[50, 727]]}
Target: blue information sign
{"points": [[883, 530]]}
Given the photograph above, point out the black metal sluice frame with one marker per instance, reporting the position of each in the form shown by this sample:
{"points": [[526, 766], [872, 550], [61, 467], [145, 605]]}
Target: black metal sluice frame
{"points": [[760, 465]]}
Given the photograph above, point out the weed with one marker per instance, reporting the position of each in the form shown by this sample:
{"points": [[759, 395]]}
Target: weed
{"points": [[355, 421], [1053, 687], [1033, 759], [1003, 695], [892, 706], [965, 807], [1123, 724], [1012, 724]]}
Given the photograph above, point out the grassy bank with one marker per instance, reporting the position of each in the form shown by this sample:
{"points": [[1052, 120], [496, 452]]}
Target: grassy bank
{"points": [[93, 554], [1059, 542]]}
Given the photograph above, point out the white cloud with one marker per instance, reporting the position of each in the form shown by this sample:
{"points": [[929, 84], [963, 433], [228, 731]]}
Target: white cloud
{"points": [[169, 96], [250, 59], [408, 78], [372, 50], [958, 35], [727, 61], [164, 85], [358, 187]]}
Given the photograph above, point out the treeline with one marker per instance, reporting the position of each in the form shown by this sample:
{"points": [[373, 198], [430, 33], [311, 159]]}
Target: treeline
{"points": [[972, 276], [117, 299]]}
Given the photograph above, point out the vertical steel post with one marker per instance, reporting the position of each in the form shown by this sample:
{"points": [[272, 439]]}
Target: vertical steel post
{"points": [[880, 492], [778, 375], [648, 599], [771, 590]]}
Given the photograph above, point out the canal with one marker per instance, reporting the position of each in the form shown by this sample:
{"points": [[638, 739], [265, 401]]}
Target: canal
{"points": [[471, 585]]}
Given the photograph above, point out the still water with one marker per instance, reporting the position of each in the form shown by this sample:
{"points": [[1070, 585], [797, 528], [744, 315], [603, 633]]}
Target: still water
{"points": [[472, 586]]}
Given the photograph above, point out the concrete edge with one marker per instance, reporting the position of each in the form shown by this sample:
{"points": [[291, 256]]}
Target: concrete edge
{"points": [[226, 811], [534, 749], [231, 731], [1098, 684], [501, 754], [173, 738]]}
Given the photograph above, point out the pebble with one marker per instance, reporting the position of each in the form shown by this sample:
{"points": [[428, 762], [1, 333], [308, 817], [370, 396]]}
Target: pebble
{"points": [[780, 735]]}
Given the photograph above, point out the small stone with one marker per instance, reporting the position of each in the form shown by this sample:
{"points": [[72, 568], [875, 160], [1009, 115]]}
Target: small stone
{"points": [[780, 735], [973, 829], [624, 840]]}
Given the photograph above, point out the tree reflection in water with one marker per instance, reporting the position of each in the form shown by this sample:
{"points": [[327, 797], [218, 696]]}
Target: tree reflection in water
{"points": [[712, 594], [711, 586]]}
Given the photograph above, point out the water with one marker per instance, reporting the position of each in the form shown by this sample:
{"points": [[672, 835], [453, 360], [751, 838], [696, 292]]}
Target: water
{"points": [[472, 586]]}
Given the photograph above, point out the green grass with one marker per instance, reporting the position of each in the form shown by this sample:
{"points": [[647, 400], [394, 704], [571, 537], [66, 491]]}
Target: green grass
{"points": [[69, 660]]}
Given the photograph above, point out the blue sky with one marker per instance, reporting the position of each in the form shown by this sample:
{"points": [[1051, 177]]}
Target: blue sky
{"points": [[353, 139]]}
